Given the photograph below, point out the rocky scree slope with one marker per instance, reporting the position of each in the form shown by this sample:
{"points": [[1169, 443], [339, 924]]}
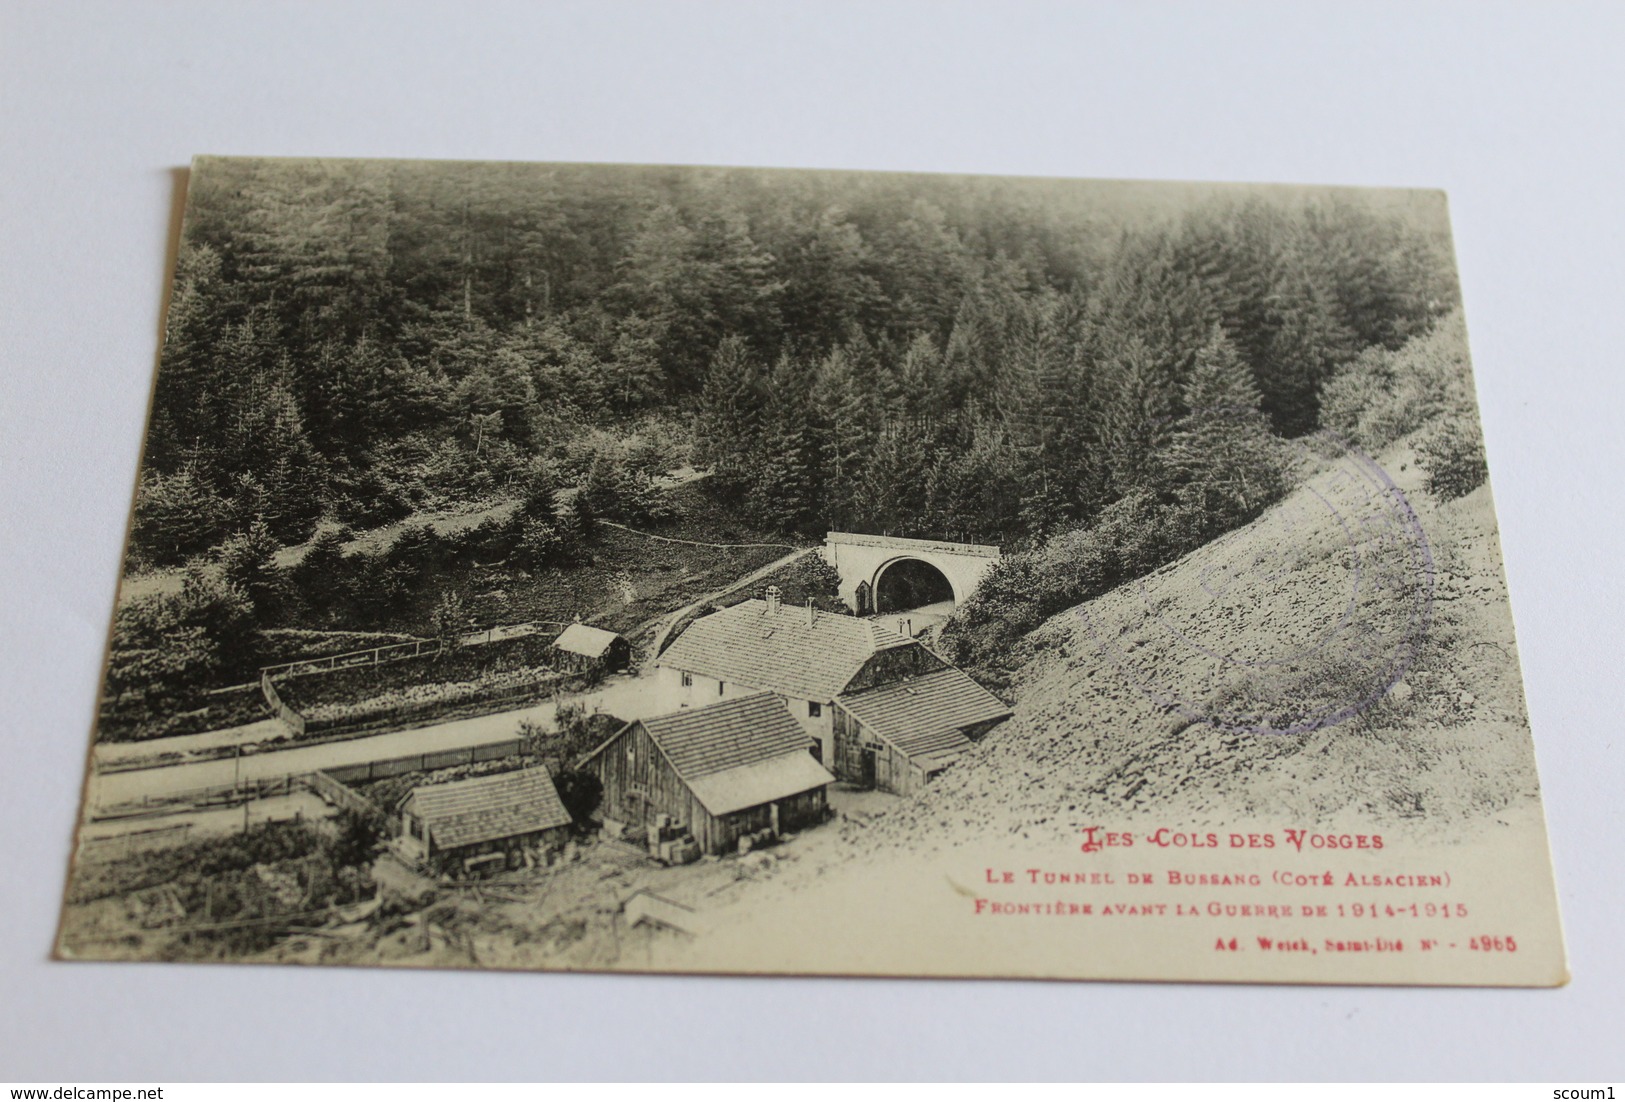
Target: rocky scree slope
{"points": [[1447, 743]]}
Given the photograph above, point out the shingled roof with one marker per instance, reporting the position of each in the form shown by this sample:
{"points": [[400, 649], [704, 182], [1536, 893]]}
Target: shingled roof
{"points": [[483, 809], [785, 652], [739, 753], [924, 716], [585, 640], [722, 736]]}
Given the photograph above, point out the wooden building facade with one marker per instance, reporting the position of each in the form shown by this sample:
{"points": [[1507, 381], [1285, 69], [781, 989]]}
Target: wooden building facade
{"points": [[483, 824], [897, 735], [722, 772], [885, 710], [582, 648]]}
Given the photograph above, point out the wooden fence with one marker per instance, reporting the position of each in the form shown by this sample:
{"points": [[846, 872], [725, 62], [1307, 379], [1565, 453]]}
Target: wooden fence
{"points": [[222, 794], [400, 652], [279, 707], [137, 841], [433, 759], [426, 712], [402, 716], [341, 796], [329, 784], [647, 907], [315, 732], [375, 656]]}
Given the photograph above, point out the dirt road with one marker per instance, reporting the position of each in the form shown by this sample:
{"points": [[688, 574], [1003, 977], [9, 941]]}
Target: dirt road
{"points": [[625, 697]]}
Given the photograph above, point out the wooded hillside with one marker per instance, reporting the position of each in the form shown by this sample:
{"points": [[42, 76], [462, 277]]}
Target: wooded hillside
{"points": [[929, 356]]}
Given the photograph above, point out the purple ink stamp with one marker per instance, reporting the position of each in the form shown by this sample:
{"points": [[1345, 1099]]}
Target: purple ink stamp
{"points": [[1298, 621]]}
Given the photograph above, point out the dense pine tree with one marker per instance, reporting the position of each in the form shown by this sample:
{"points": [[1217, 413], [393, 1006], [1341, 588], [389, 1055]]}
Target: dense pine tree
{"points": [[1221, 457], [972, 358]]}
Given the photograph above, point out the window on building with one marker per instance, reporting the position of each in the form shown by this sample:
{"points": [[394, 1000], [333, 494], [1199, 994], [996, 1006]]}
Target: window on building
{"points": [[814, 709], [720, 687], [688, 680]]}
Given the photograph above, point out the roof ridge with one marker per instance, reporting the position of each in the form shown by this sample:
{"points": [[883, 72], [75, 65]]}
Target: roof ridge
{"points": [[698, 742], [499, 775], [784, 652]]}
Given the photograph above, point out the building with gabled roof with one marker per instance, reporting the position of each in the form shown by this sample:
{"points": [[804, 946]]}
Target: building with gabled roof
{"points": [[587, 649], [805, 656], [491, 820], [817, 662], [899, 735], [722, 772], [795, 652]]}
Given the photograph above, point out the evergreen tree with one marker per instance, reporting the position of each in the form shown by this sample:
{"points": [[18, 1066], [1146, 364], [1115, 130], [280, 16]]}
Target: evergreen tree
{"points": [[633, 368], [923, 273], [223, 614], [279, 473], [1135, 417], [199, 309], [323, 579], [828, 288], [784, 478], [843, 423], [449, 621], [177, 516], [1221, 457], [1036, 403], [730, 413], [915, 390], [363, 337], [501, 385], [893, 485], [1307, 346], [248, 563]]}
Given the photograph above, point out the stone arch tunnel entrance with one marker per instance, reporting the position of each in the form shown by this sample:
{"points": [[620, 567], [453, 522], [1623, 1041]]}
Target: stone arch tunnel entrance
{"points": [[907, 584], [881, 575]]}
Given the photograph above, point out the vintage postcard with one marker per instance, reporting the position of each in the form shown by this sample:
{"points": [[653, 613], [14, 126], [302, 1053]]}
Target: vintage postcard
{"points": [[572, 567]]}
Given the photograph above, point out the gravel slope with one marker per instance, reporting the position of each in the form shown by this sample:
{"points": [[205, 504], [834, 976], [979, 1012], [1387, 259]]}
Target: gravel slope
{"points": [[1447, 744]]}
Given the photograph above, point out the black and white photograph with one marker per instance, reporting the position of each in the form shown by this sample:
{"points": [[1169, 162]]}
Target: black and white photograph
{"points": [[935, 541], [657, 569]]}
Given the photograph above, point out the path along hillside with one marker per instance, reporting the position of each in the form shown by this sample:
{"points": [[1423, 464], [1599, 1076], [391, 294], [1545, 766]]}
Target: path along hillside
{"points": [[1448, 742]]}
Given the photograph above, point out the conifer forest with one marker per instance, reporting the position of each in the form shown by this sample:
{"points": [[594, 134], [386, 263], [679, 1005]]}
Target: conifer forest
{"points": [[1096, 377], [938, 356]]}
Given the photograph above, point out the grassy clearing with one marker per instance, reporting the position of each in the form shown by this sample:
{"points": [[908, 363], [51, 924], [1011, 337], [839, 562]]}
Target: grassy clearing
{"points": [[624, 579], [217, 898]]}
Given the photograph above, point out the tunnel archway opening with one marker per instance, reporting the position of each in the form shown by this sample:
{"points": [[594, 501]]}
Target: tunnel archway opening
{"points": [[909, 584]]}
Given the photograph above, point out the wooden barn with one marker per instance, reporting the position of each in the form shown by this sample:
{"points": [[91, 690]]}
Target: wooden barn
{"points": [[899, 734], [587, 649], [483, 823], [722, 771]]}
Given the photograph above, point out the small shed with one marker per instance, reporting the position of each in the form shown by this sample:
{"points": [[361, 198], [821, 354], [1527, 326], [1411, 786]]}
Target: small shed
{"points": [[587, 649], [899, 735], [721, 772], [483, 823]]}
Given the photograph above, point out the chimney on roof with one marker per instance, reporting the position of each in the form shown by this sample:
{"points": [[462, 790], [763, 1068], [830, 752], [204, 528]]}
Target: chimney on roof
{"points": [[773, 600], [812, 613]]}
